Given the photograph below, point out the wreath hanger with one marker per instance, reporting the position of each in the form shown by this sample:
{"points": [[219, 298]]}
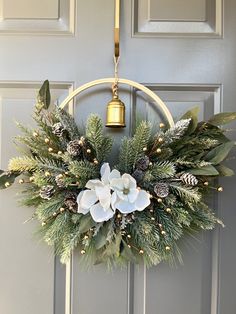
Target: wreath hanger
{"points": [[116, 108]]}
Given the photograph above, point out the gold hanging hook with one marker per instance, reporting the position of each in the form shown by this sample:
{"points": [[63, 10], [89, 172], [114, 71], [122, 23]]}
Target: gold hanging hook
{"points": [[115, 107], [117, 30]]}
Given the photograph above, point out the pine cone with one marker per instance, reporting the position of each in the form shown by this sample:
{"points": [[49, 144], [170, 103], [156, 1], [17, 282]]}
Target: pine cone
{"points": [[71, 195], [161, 189], [71, 205], [138, 175], [143, 163], [59, 181], [74, 148], [71, 201], [46, 192], [189, 179], [58, 129]]}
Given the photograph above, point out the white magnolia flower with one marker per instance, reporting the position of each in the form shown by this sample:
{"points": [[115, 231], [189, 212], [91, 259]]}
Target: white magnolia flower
{"points": [[126, 197], [112, 192], [97, 197]]}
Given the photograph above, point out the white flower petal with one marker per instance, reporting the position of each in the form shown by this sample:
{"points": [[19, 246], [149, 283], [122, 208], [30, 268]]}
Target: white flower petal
{"points": [[142, 201], [131, 181], [80, 209], [80, 196], [88, 199], [122, 196], [114, 200], [117, 184], [102, 191], [126, 181], [92, 183], [104, 195], [99, 214], [125, 207], [105, 172], [115, 174], [133, 194]]}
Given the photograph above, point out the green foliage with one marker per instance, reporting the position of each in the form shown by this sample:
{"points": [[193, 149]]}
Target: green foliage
{"points": [[132, 149], [193, 115], [86, 222], [30, 197], [83, 170], [222, 118], [44, 97], [94, 134], [36, 144], [68, 123], [203, 219], [187, 194], [126, 156], [160, 170], [208, 170], [46, 208], [224, 171], [219, 153], [22, 164], [140, 139], [7, 179], [177, 131], [54, 178]]}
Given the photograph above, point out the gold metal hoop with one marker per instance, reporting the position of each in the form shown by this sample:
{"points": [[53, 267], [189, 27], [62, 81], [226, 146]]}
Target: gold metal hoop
{"points": [[160, 104]]}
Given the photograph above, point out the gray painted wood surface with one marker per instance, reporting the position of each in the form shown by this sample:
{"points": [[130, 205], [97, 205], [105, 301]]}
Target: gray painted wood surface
{"points": [[193, 64]]}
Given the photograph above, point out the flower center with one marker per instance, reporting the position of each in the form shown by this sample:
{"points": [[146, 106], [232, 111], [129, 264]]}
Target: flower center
{"points": [[126, 191]]}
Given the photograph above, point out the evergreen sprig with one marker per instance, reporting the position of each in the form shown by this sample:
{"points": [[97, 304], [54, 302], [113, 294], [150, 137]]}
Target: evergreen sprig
{"points": [[68, 123], [100, 143], [132, 149]]}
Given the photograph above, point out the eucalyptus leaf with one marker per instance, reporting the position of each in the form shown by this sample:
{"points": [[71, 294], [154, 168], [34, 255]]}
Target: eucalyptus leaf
{"points": [[86, 223], [208, 170], [212, 131], [222, 118], [44, 96], [219, 153], [193, 115], [101, 238], [225, 171], [113, 249], [7, 178]]}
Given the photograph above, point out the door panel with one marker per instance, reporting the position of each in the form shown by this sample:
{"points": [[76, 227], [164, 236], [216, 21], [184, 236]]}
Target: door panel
{"points": [[28, 270], [44, 17], [177, 49], [195, 18]]}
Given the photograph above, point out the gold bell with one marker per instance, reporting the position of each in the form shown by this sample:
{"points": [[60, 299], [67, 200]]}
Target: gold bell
{"points": [[115, 113]]}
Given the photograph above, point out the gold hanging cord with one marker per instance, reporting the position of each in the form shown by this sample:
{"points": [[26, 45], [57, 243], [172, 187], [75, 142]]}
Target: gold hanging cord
{"points": [[116, 47]]}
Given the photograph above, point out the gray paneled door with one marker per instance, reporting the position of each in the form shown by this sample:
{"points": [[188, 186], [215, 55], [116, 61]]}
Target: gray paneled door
{"points": [[184, 50]]}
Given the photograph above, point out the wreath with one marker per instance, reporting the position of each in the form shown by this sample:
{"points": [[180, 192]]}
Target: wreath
{"points": [[135, 210]]}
